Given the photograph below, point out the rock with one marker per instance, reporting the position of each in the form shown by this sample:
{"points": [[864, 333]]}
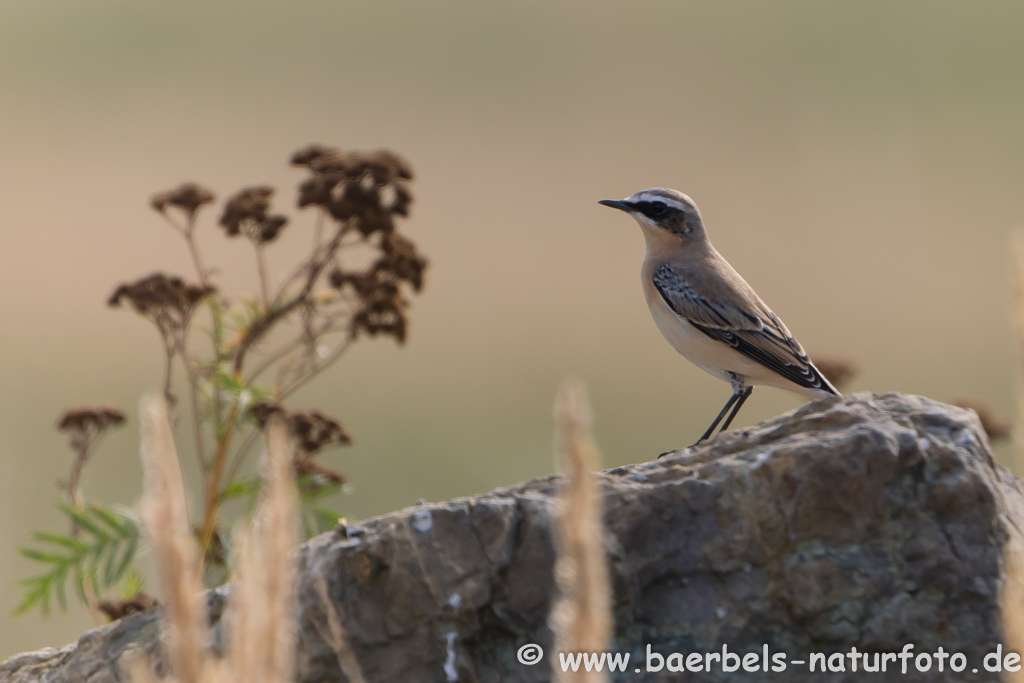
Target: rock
{"points": [[868, 521]]}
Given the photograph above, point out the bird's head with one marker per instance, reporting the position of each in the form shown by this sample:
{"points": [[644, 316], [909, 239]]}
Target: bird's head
{"points": [[663, 214]]}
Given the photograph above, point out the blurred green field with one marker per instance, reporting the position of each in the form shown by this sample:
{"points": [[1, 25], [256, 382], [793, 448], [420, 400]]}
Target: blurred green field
{"points": [[860, 164]]}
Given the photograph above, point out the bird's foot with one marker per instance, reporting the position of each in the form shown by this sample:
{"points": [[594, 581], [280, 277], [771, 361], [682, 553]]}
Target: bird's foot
{"points": [[682, 450]]}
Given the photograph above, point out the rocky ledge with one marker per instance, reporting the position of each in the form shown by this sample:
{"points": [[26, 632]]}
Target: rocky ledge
{"points": [[869, 521]]}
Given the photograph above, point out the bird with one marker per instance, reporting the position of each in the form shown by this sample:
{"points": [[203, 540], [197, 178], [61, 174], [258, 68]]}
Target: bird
{"points": [[708, 313]]}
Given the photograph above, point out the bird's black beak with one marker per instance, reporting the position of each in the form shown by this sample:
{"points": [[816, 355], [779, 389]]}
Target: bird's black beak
{"points": [[619, 204]]}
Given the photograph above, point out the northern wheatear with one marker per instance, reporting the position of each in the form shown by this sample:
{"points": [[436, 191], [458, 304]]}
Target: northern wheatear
{"points": [[708, 312]]}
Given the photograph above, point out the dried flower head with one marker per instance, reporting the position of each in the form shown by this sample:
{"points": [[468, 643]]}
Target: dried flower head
{"points": [[996, 429], [363, 204], [350, 184], [382, 314], [189, 197], [309, 154], [315, 431], [116, 609], [401, 260], [90, 418], [312, 430], [317, 191], [249, 206], [270, 228], [403, 198], [160, 292], [312, 467], [262, 411], [167, 301], [383, 309]]}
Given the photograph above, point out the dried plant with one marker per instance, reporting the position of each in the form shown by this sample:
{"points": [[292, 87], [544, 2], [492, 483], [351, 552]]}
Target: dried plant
{"points": [[85, 425], [1011, 593], [837, 369], [355, 281], [169, 532], [122, 607], [581, 617], [97, 551], [260, 620], [311, 431], [996, 429]]}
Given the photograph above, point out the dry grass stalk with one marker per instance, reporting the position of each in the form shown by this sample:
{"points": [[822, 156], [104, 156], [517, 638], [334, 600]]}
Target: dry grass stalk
{"points": [[1011, 600], [1011, 597], [261, 618], [581, 617], [176, 557]]}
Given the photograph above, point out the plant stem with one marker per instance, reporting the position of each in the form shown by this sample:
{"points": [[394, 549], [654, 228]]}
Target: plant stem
{"points": [[243, 450], [168, 368], [261, 267], [285, 393], [193, 250], [318, 227], [260, 326], [211, 507], [197, 419], [81, 457]]}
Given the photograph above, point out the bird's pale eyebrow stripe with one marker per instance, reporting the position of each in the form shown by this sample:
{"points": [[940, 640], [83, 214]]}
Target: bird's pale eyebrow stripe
{"points": [[667, 201]]}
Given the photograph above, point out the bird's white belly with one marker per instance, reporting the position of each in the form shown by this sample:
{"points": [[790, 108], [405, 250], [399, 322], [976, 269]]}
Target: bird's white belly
{"points": [[709, 355]]}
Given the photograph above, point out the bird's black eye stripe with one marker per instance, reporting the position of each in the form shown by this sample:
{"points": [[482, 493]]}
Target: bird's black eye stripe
{"points": [[654, 209]]}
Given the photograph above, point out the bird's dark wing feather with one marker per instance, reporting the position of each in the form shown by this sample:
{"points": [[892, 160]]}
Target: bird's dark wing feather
{"points": [[757, 334]]}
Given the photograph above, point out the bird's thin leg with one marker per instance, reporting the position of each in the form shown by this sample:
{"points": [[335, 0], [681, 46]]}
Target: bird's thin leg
{"points": [[707, 435], [736, 408], [740, 393], [732, 399]]}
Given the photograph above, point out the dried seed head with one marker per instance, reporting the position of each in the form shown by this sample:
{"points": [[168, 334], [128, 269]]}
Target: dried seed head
{"points": [[403, 198], [365, 191], [248, 205], [317, 190], [270, 228], [363, 204], [188, 197], [309, 154], [313, 431], [85, 418], [383, 309], [309, 466], [262, 411], [837, 369], [333, 162], [401, 260], [996, 429], [159, 294], [116, 609], [383, 312]]}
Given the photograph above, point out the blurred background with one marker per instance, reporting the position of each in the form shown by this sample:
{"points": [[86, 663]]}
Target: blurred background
{"points": [[860, 164]]}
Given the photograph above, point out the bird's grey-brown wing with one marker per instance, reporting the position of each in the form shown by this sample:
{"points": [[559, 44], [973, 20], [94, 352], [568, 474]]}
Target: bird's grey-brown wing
{"points": [[752, 330]]}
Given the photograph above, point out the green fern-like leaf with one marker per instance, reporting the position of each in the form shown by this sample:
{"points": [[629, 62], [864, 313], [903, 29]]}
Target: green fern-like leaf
{"points": [[102, 555]]}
